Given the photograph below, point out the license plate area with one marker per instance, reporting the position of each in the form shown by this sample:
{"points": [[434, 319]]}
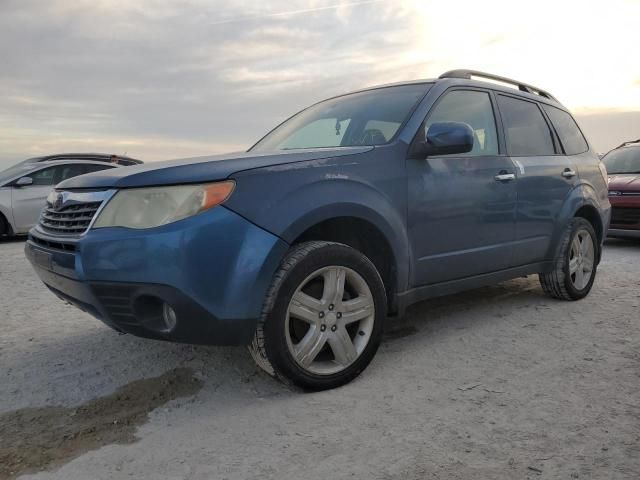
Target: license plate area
{"points": [[42, 259]]}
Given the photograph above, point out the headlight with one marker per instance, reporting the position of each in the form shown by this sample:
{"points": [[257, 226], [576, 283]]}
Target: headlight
{"points": [[155, 206]]}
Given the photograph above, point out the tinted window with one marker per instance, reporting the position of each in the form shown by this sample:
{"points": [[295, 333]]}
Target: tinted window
{"points": [[623, 160], [568, 131], [90, 168], [365, 118], [55, 175], [43, 177], [527, 131], [473, 108], [67, 171]]}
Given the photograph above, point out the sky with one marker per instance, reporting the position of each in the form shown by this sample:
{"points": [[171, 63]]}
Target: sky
{"points": [[170, 79]]}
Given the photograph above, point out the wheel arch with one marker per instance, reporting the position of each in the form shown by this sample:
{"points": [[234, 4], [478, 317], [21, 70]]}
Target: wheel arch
{"points": [[365, 236], [590, 213], [582, 202], [4, 217], [305, 206]]}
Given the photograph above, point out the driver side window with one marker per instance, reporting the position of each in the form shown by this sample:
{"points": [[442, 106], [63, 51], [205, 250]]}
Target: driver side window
{"points": [[53, 175], [473, 108], [43, 177]]}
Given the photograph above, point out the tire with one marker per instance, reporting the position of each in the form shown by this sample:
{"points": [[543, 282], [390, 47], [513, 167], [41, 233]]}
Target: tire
{"points": [[564, 281], [319, 339], [4, 226]]}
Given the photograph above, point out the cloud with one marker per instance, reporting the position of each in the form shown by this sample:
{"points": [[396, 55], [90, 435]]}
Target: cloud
{"points": [[193, 72], [199, 74]]}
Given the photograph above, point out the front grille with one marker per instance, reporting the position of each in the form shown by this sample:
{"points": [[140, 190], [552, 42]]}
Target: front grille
{"points": [[116, 301], [625, 216], [67, 247], [69, 220]]}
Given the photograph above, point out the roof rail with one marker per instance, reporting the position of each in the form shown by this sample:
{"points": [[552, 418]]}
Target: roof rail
{"points": [[96, 157], [630, 142], [524, 87]]}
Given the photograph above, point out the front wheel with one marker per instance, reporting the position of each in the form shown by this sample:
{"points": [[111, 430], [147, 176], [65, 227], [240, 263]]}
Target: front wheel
{"points": [[4, 226], [323, 317], [575, 266]]}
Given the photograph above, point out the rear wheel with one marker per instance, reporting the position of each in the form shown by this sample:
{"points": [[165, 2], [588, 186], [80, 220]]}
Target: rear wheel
{"points": [[323, 317], [575, 266]]}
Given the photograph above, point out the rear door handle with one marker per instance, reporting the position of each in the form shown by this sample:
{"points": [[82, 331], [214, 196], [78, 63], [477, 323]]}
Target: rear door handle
{"points": [[568, 173], [503, 176]]}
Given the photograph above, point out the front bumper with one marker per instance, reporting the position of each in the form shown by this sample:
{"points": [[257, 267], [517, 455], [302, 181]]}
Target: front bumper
{"points": [[625, 218], [213, 269]]}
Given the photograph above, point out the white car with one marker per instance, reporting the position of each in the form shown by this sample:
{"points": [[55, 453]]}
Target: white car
{"points": [[25, 186]]}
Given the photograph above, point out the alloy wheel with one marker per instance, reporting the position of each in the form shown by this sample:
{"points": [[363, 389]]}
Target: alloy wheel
{"points": [[329, 320], [581, 259]]}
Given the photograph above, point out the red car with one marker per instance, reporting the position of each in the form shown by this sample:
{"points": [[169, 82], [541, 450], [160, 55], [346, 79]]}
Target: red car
{"points": [[623, 166]]}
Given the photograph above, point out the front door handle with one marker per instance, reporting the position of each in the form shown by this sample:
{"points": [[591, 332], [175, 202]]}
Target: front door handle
{"points": [[503, 176], [568, 173]]}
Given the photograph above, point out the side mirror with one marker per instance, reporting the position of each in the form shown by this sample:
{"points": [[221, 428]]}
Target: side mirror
{"points": [[446, 138], [24, 182]]}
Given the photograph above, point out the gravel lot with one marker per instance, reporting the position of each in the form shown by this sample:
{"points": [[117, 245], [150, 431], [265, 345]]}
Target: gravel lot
{"points": [[500, 382]]}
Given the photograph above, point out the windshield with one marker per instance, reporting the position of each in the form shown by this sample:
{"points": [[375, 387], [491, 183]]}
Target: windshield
{"points": [[18, 170], [623, 160], [366, 118]]}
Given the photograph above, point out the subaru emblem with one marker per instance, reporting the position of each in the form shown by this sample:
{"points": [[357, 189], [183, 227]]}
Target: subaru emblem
{"points": [[57, 204]]}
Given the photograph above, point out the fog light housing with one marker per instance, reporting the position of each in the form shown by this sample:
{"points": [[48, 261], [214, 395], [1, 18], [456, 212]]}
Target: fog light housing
{"points": [[155, 314], [169, 316]]}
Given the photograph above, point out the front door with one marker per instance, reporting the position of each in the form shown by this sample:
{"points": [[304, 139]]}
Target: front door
{"points": [[462, 207], [29, 201]]}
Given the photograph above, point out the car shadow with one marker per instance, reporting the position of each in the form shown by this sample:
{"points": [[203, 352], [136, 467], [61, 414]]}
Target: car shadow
{"points": [[13, 239], [622, 243], [91, 369], [91, 360], [440, 316]]}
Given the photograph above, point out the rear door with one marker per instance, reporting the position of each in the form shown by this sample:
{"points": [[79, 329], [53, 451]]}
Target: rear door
{"points": [[462, 207], [545, 176]]}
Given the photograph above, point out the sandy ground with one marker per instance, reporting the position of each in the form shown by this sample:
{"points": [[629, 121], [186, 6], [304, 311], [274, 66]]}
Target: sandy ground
{"points": [[500, 382]]}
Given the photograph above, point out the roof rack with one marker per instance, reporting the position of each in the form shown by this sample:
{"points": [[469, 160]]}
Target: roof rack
{"points": [[523, 87], [96, 157], [630, 142]]}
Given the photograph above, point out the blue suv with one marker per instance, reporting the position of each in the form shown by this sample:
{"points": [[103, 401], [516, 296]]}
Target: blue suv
{"points": [[337, 219]]}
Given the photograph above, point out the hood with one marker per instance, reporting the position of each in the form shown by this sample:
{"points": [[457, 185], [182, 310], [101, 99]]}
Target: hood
{"points": [[625, 182], [199, 169]]}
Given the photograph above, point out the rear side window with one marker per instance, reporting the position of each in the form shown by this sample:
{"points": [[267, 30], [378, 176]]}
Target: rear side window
{"points": [[90, 168], [70, 170], [527, 131], [570, 135]]}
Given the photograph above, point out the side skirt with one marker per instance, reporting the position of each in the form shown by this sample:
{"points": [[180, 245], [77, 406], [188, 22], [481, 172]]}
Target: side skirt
{"points": [[418, 294]]}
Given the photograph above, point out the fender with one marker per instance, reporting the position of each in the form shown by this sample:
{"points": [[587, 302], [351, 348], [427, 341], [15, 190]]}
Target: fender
{"points": [[293, 199], [389, 224], [583, 194]]}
